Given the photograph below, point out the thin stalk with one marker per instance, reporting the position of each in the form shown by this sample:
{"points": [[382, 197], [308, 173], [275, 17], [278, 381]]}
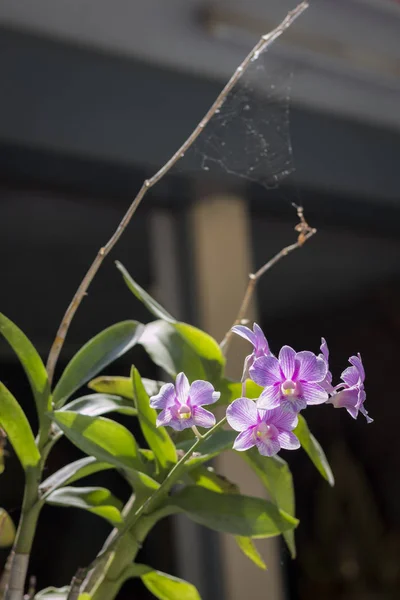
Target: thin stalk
{"points": [[261, 46]]}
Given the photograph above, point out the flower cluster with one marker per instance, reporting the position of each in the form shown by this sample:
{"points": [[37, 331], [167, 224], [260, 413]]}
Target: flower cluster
{"points": [[290, 382]]}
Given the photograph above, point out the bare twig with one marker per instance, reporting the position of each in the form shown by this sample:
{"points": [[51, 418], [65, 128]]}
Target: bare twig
{"points": [[260, 47], [76, 583], [305, 232]]}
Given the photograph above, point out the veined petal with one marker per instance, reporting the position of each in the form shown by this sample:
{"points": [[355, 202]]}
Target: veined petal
{"points": [[287, 361], [288, 440], [203, 417], [314, 393], [182, 388], [261, 342], [293, 405], [350, 376], [311, 367], [245, 333], [165, 417], [244, 440], [269, 398], [164, 398], [202, 392], [347, 399], [242, 414], [282, 419], [357, 363], [265, 371], [268, 447], [324, 349]]}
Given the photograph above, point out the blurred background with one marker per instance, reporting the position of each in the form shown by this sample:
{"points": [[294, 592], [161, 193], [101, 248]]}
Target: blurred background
{"points": [[96, 95]]}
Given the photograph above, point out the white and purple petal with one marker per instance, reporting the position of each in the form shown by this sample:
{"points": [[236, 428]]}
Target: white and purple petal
{"points": [[350, 376], [270, 397], [293, 405], [347, 399], [266, 371], [287, 361], [165, 397], [268, 447], [182, 388], [245, 440], [242, 414], [313, 393], [357, 363], [282, 419], [203, 417], [310, 367], [261, 343], [202, 392], [288, 441], [245, 333]]}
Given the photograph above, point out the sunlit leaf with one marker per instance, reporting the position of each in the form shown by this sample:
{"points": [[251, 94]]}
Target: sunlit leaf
{"points": [[180, 347], [73, 472], [275, 475], [161, 585], [232, 513], [314, 450], [31, 362], [7, 529], [96, 500], [122, 386], [105, 439], [249, 549], [100, 404], [17, 428], [99, 352], [156, 437], [152, 305], [231, 390]]}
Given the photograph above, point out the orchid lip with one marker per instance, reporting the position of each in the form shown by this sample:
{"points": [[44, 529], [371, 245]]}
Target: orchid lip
{"points": [[289, 388], [184, 412]]}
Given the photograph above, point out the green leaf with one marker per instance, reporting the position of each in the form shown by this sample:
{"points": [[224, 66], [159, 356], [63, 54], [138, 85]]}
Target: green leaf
{"points": [[17, 428], [100, 404], [52, 593], [181, 347], [105, 439], [96, 500], [314, 450], [7, 529], [232, 513], [156, 437], [31, 362], [122, 386], [99, 352], [73, 472], [161, 585], [275, 475], [219, 442], [152, 305], [248, 548]]}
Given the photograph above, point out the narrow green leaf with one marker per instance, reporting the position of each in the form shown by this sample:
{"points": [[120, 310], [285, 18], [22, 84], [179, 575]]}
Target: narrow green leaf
{"points": [[181, 347], [167, 587], [52, 593], [99, 352], [73, 472], [249, 549], [219, 442], [7, 529], [105, 439], [17, 428], [232, 513], [314, 450], [152, 305], [96, 500], [31, 362], [100, 404], [156, 437], [275, 475], [122, 386]]}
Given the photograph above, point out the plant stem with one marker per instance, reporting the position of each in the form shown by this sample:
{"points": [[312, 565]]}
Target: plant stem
{"points": [[305, 232], [261, 46]]}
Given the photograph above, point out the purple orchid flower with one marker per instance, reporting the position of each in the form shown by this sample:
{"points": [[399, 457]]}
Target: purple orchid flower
{"points": [[182, 403], [352, 394], [268, 430], [292, 381], [259, 342], [327, 383]]}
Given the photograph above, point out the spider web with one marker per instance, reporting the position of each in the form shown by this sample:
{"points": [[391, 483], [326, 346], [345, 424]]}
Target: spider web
{"points": [[249, 136]]}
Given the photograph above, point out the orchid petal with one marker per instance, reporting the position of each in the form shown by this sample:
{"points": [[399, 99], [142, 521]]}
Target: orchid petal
{"points": [[268, 447], [266, 371], [324, 349], [288, 440], [269, 398], [347, 399], [287, 361], [203, 417], [242, 414], [202, 392], [293, 405], [351, 376], [182, 388], [244, 440], [245, 333], [283, 419], [314, 393], [311, 368], [164, 398], [357, 363]]}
